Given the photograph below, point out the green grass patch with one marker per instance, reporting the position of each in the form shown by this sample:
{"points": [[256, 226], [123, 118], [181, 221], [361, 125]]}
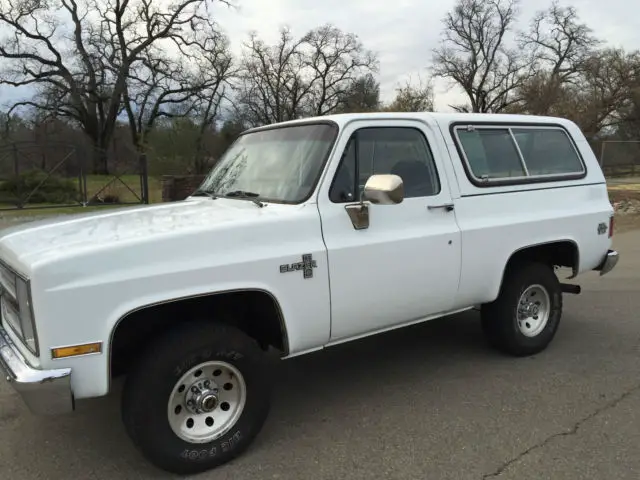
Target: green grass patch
{"points": [[102, 190], [126, 188]]}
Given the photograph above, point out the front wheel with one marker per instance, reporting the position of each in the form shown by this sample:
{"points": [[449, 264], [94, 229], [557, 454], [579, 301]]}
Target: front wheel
{"points": [[525, 317], [197, 398]]}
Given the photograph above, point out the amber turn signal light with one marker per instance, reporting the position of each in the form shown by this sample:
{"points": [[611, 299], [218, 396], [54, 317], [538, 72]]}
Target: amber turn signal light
{"points": [[75, 350]]}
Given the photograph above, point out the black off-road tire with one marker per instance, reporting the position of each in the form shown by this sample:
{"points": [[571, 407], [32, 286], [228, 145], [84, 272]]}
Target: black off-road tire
{"points": [[149, 385], [500, 318]]}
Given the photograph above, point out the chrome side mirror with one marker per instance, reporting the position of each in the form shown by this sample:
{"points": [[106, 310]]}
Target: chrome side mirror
{"points": [[384, 190], [379, 189]]}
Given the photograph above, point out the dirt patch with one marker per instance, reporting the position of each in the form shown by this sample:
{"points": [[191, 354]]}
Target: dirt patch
{"points": [[626, 202], [618, 194], [626, 223], [626, 207]]}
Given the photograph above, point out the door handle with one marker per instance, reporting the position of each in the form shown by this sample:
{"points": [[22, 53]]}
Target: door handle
{"points": [[447, 206]]}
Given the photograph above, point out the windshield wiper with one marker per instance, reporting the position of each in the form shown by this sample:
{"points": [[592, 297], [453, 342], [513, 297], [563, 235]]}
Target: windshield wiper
{"points": [[244, 194], [203, 193]]}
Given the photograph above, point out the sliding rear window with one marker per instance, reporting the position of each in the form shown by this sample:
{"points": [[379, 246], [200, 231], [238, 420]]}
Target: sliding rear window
{"points": [[518, 154]]}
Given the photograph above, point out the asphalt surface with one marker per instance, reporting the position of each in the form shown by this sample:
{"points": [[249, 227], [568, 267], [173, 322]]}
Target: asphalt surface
{"points": [[425, 402]]}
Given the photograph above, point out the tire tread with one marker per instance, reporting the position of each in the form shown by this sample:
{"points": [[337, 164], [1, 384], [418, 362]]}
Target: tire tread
{"points": [[188, 337], [498, 320]]}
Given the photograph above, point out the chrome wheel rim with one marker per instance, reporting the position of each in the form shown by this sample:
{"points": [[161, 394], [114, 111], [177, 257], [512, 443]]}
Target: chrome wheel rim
{"points": [[206, 402], [534, 308]]}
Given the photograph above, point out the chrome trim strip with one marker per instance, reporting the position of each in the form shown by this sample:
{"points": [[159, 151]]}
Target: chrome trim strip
{"points": [[520, 155], [33, 323], [398, 326], [46, 392], [534, 189]]}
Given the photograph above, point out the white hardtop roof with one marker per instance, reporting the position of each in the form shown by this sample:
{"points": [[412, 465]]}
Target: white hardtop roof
{"points": [[440, 117]]}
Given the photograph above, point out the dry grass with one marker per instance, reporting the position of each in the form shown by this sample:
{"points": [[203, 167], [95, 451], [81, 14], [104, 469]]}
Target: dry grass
{"points": [[620, 193], [625, 193]]}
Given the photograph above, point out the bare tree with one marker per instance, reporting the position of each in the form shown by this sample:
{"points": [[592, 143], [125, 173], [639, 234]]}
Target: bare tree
{"points": [[474, 55], [191, 84], [79, 53], [335, 60], [605, 89], [217, 64], [10, 124], [559, 47], [272, 87], [157, 87], [413, 98], [312, 75], [629, 126], [362, 96]]}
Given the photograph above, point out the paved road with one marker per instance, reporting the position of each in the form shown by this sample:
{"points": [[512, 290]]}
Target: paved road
{"points": [[427, 402]]}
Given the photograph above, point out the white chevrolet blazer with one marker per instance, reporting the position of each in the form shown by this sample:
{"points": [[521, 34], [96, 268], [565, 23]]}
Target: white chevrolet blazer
{"points": [[305, 234]]}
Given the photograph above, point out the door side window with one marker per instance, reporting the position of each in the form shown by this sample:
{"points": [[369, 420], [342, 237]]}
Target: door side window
{"points": [[401, 151]]}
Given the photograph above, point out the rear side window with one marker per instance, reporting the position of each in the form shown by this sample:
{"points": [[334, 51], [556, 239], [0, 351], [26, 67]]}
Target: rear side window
{"points": [[491, 153], [547, 151], [505, 154]]}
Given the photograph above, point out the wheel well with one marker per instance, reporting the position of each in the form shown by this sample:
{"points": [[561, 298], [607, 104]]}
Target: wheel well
{"points": [[562, 254], [255, 312]]}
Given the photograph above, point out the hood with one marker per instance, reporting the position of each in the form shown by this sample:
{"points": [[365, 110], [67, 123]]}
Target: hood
{"points": [[28, 243]]}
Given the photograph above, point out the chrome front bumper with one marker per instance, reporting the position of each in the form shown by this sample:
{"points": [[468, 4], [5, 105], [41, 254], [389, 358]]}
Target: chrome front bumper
{"points": [[608, 262], [46, 392]]}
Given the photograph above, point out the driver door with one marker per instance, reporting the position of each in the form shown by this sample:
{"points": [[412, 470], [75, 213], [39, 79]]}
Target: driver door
{"points": [[405, 265]]}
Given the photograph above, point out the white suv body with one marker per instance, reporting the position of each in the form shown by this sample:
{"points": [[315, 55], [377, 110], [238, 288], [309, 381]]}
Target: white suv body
{"points": [[457, 212]]}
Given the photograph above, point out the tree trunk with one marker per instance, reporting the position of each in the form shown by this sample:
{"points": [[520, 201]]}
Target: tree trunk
{"points": [[100, 161]]}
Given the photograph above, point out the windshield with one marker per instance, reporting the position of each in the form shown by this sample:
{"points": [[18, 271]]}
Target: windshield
{"points": [[279, 164]]}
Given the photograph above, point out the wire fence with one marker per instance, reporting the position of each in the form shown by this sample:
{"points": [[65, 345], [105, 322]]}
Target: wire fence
{"points": [[34, 175], [619, 158]]}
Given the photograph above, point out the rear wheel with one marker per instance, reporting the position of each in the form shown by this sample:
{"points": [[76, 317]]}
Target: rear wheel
{"points": [[197, 398], [525, 317]]}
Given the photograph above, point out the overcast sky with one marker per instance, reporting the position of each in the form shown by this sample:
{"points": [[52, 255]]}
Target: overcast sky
{"points": [[402, 32]]}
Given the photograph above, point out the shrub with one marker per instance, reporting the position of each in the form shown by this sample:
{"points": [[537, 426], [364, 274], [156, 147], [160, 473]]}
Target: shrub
{"points": [[48, 189]]}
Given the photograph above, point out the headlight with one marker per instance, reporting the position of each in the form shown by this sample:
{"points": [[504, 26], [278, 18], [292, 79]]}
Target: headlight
{"points": [[8, 281], [16, 307], [10, 314]]}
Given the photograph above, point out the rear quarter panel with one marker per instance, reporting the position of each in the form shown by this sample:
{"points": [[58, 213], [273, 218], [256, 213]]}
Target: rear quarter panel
{"points": [[497, 221]]}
